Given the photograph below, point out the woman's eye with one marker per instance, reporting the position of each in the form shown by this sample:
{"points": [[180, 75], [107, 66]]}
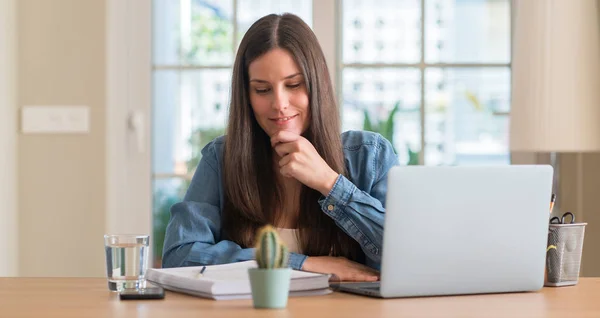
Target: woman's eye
{"points": [[294, 85], [261, 91]]}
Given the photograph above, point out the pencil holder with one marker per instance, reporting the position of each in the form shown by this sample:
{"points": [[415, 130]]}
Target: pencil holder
{"points": [[563, 256]]}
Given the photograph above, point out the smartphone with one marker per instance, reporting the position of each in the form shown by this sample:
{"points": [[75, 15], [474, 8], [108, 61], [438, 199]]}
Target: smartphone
{"points": [[142, 293]]}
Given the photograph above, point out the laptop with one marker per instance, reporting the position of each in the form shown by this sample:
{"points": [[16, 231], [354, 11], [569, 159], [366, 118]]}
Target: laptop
{"points": [[463, 230]]}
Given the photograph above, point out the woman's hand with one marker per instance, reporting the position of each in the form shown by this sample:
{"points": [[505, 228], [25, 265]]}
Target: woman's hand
{"points": [[300, 160], [344, 269]]}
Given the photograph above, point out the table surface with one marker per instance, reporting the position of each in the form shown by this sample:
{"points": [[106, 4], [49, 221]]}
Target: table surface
{"points": [[89, 297]]}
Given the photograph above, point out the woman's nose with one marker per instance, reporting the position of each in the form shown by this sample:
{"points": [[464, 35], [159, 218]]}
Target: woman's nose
{"points": [[280, 99]]}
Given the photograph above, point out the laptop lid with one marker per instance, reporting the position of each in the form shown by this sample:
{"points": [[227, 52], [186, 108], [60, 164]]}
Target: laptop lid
{"points": [[465, 230]]}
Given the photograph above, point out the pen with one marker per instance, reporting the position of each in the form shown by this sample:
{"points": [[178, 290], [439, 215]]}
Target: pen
{"points": [[201, 271], [552, 199]]}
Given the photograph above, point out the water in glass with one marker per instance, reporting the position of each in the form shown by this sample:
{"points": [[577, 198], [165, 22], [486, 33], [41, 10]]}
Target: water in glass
{"points": [[126, 263]]}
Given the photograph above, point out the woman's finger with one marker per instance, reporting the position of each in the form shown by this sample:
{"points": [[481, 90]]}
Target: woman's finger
{"points": [[362, 277], [288, 170], [283, 149], [283, 136], [285, 160]]}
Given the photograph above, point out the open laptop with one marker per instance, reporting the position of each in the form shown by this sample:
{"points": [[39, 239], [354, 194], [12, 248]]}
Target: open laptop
{"points": [[463, 230]]}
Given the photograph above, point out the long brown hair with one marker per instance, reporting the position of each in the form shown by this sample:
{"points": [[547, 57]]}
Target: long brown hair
{"points": [[252, 193]]}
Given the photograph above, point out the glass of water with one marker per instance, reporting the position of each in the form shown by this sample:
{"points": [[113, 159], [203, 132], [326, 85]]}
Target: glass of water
{"points": [[126, 261]]}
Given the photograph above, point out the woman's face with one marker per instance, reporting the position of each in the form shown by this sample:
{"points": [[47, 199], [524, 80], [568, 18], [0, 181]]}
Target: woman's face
{"points": [[278, 93]]}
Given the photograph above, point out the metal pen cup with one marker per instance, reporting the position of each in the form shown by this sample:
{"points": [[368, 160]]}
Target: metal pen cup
{"points": [[563, 256]]}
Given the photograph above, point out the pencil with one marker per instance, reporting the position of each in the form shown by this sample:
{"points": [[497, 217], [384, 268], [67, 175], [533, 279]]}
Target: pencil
{"points": [[552, 199]]}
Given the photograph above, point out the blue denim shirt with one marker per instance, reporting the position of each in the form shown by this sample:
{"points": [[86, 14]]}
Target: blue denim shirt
{"points": [[193, 235]]}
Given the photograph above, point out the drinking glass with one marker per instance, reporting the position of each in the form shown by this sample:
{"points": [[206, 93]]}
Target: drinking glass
{"points": [[126, 261]]}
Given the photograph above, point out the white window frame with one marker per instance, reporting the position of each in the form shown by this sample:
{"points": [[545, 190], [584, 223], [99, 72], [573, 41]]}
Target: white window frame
{"points": [[325, 26], [128, 109], [422, 66], [9, 225]]}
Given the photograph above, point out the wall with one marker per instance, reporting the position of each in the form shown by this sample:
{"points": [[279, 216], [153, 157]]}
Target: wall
{"points": [[579, 194], [61, 61], [8, 145], [61, 51], [580, 190]]}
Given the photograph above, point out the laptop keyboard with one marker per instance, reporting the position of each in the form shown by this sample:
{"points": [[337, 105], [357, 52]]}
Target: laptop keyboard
{"points": [[370, 286]]}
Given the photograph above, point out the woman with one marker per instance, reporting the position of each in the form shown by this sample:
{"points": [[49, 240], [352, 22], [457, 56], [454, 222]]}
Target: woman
{"points": [[283, 162]]}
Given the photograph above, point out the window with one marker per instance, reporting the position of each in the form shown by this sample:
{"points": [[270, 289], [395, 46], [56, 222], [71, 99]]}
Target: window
{"points": [[458, 67], [194, 43], [393, 57]]}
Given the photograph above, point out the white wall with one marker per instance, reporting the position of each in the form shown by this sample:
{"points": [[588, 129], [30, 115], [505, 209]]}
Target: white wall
{"points": [[8, 150], [61, 177]]}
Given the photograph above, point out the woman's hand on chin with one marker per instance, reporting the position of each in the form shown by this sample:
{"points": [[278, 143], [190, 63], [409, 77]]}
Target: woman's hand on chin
{"points": [[300, 160]]}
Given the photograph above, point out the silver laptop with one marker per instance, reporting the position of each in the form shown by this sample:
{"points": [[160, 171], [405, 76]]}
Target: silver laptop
{"points": [[463, 230]]}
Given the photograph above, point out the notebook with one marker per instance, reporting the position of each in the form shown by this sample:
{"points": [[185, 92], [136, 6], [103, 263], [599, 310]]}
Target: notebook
{"points": [[230, 281]]}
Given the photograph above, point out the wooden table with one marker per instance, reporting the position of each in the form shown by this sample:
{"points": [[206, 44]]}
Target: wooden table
{"points": [[89, 297]]}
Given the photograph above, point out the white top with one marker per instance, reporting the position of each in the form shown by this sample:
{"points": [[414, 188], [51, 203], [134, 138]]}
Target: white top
{"points": [[290, 238]]}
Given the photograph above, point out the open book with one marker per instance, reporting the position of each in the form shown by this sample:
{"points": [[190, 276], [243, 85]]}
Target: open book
{"points": [[230, 281]]}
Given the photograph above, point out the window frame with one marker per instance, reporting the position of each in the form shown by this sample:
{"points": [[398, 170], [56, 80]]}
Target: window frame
{"points": [[128, 96], [422, 66], [327, 26]]}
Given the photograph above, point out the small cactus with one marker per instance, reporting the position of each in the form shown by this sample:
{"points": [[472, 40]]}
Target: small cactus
{"points": [[271, 252]]}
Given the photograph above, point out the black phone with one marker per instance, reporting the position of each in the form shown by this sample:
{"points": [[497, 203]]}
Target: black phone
{"points": [[142, 293]]}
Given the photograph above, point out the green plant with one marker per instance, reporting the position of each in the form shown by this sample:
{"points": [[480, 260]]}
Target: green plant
{"points": [[474, 100], [413, 157], [270, 250], [210, 34], [386, 129], [199, 139], [162, 202]]}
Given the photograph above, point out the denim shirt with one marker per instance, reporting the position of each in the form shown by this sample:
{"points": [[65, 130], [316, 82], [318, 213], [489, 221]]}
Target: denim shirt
{"points": [[356, 203]]}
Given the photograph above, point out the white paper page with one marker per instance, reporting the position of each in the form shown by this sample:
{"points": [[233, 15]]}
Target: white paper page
{"points": [[225, 272]]}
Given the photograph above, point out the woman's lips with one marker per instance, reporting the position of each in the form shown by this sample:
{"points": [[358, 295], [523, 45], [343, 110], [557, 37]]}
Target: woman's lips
{"points": [[281, 121]]}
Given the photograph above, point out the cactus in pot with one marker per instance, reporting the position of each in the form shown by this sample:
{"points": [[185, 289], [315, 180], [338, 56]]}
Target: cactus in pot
{"points": [[270, 251], [270, 282]]}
